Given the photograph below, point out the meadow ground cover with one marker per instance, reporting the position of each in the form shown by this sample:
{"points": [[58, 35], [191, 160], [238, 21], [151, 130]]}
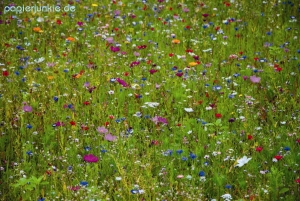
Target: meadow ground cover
{"points": [[150, 100]]}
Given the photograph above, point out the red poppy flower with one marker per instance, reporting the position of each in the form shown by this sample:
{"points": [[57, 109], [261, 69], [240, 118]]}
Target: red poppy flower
{"points": [[217, 28], [152, 28], [170, 8], [297, 181], [126, 74], [178, 125], [259, 149], [241, 53], [218, 115], [256, 59], [111, 116], [5, 73], [298, 141], [86, 102], [58, 22], [116, 29], [106, 124], [188, 27], [35, 49], [189, 50], [206, 94], [73, 123], [249, 137], [278, 157], [171, 54], [278, 69]]}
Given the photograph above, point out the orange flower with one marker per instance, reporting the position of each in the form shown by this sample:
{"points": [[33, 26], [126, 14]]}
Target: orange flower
{"points": [[71, 39], [37, 29], [175, 41]]}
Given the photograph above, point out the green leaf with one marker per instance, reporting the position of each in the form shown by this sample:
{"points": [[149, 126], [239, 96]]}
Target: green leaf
{"points": [[284, 190], [218, 122]]}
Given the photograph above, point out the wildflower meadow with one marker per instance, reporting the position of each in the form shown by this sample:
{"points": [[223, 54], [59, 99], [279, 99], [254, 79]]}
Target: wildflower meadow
{"points": [[150, 100]]}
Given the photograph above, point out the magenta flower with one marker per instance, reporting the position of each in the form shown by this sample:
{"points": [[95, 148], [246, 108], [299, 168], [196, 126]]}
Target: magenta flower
{"points": [[205, 15], [254, 79], [134, 63], [114, 49], [122, 82], [27, 108], [158, 119], [80, 23], [110, 137], [90, 158], [152, 71]]}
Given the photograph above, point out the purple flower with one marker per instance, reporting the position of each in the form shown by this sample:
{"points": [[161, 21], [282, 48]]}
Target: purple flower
{"points": [[86, 84], [90, 158], [117, 12], [79, 23], [245, 77], [27, 108], [254, 79]]}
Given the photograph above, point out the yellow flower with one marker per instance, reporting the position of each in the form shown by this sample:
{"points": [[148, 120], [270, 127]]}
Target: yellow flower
{"points": [[193, 64], [95, 5], [78, 76], [50, 77]]}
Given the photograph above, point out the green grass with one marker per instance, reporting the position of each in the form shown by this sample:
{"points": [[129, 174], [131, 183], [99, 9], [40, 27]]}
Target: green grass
{"points": [[194, 156]]}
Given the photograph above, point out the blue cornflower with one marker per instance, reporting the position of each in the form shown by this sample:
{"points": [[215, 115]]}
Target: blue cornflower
{"points": [[29, 126], [29, 153], [201, 173], [87, 148], [179, 151], [84, 183], [228, 186], [192, 156], [287, 148], [55, 98], [184, 158]]}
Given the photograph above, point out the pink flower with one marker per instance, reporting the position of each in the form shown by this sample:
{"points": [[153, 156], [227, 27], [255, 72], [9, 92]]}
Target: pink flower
{"points": [[102, 130], [254, 79], [110, 39], [27, 108], [110, 137], [90, 158]]}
